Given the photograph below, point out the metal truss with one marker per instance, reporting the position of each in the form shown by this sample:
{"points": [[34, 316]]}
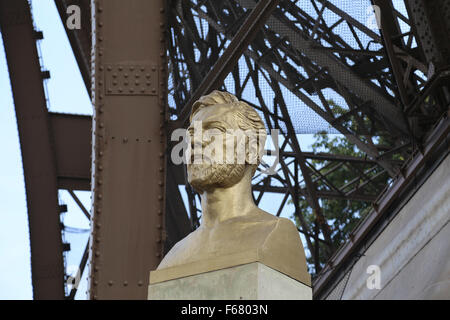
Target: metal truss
{"points": [[298, 52]]}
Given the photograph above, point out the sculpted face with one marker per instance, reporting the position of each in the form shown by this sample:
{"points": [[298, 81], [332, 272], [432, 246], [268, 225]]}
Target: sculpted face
{"points": [[209, 166]]}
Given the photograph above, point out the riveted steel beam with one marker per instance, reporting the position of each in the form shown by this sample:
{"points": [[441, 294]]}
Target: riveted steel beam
{"points": [[129, 146]]}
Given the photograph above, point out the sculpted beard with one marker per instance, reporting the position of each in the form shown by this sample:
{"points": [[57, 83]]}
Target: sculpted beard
{"points": [[207, 176]]}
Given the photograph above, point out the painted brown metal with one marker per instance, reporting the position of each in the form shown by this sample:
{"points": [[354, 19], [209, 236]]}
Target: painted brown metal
{"points": [[38, 158], [128, 160], [71, 136]]}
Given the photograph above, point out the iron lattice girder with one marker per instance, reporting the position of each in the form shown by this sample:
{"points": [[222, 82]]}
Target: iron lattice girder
{"points": [[324, 194], [231, 55], [39, 163], [329, 117], [383, 105]]}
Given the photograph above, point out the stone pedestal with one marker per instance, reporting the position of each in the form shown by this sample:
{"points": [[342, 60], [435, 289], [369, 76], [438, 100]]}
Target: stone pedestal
{"points": [[252, 281]]}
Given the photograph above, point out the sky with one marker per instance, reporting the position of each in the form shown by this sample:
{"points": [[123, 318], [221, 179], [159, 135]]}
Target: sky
{"points": [[66, 93]]}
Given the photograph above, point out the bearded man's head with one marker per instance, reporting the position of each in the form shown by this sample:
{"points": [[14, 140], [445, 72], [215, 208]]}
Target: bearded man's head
{"points": [[219, 120]]}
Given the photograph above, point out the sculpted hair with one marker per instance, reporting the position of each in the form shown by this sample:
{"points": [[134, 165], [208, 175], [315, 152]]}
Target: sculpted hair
{"points": [[246, 116]]}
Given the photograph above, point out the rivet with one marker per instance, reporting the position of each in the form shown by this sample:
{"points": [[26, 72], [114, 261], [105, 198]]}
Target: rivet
{"points": [[97, 240], [161, 24], [101, 125], [95, 297], [100, 110], [100, 24], [99, 196], [160, 199], [160, 183], [142, 89], [159, 212], [99, 210], [126, 83], [100, 82], [97, 253], [162, 68], [96, 268], [161, 169], [100, 168], [142, 68], [114, 75], [148, 75], [125, 140], [161, 154], [114, 82], [109, 90], [158, 255], [120, 68], [131, 68], [125, 283], [136, 82], [161, 133], [140, 283], [98, 225], [100, 9], [131, 90], [161, 10], [110, 283], [120, 89], [100, 97], [161, 111], [101, 68], [100, 38], [161, 54], [126, 75], [153, 68]]}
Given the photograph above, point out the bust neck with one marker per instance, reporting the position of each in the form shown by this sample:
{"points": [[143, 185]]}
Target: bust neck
{"points": [[221, 204]]}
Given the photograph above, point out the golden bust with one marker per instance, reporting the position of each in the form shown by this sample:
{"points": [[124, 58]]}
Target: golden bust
{"points": [[233, 231]]}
